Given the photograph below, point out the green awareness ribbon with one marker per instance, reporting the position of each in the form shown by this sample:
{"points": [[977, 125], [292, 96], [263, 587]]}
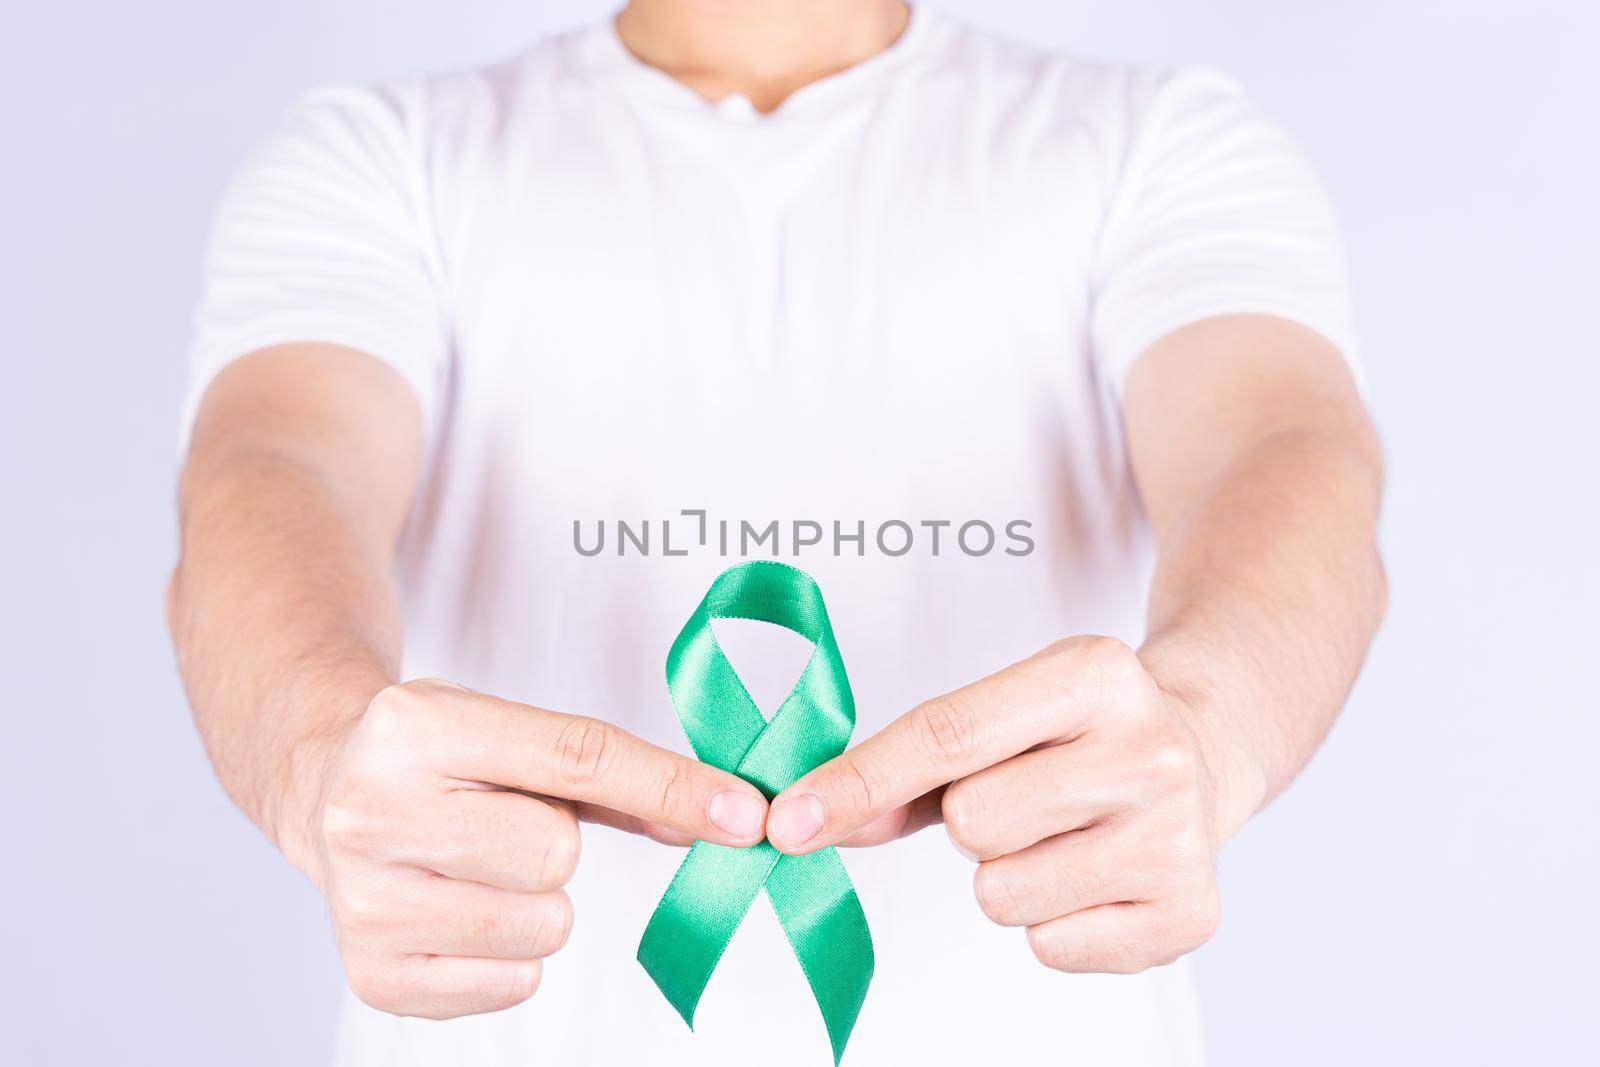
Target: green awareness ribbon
{"points": [[715, 886]]}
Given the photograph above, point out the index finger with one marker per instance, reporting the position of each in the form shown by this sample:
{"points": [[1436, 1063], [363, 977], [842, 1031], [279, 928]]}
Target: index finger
{"points": [[594, 762], [933, 744]]}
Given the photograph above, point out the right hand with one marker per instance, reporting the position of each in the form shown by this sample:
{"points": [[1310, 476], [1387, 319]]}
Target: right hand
{"points": [[449, 824]]}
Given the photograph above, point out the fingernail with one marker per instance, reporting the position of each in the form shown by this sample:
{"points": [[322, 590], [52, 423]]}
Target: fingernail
{"points": [[736, 813], [795, 821]]}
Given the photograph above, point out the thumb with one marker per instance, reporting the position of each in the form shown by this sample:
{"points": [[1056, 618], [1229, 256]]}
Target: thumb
{"points": [[903, 821], [603, 816]]}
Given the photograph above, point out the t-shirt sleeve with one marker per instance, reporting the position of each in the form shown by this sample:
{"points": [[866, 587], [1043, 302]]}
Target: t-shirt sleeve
{"points": [[323, 235], [1216, 211]]}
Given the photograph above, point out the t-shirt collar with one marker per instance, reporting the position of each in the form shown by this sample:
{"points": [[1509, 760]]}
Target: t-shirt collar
{"points": [[611, 59]]}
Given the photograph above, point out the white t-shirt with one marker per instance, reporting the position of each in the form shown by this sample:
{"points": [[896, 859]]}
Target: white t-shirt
{"points": [[907, 298]]}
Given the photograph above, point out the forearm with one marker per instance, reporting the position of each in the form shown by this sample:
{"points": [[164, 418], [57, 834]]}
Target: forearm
{"points": [[286, 625], [1268, 591]]}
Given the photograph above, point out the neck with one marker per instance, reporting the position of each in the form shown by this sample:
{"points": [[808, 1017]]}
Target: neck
{"points": [[761, 49]]}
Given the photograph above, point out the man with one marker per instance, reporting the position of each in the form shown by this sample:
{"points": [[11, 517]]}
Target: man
{"points": [[835, 281]]}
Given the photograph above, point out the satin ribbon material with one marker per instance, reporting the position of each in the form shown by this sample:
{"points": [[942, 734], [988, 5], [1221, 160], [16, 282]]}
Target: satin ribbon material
{"points": [[716, 885]]}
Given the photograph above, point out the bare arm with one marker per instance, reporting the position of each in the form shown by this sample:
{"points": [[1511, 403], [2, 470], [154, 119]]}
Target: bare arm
{"points": [[1262, 477], [300, 471], [1094, 785], [440, 823]]}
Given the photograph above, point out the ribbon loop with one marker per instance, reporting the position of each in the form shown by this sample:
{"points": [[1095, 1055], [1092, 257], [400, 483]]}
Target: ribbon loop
{"points": [[715, 886]]}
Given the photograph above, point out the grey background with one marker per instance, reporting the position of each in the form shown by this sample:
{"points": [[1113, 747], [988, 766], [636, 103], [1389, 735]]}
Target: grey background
{"points": [[1426, 893]]}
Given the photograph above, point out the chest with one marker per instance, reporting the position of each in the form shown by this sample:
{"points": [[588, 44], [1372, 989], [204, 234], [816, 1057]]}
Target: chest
{"points": [[920, 233], [905, 283]]}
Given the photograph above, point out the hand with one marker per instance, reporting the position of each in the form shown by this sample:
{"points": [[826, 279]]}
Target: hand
{"points": [[1072, 780], [450, 824]]}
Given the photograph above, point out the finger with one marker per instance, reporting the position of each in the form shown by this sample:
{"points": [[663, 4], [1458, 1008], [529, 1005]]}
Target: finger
{"points": [[444, 917], [591, 761], [633, 824], [444, 987], [1025, 799], [500, 838], [1061, 875], [903, 821], [939, 741], [1120, 938]]}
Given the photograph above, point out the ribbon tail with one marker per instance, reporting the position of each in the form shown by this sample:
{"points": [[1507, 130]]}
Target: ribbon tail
{"points": [[822, 916], [697, 917]]}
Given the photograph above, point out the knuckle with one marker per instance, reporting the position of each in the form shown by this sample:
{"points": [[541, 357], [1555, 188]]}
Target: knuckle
{"points": [[435, 684], [378, 985], [965, 812], [952, 729], [358, 907], [857, 786], [1188, 849], [997, 895], [1171, 758], [1048, 947], [558, 924], [509, 985], [558, 859], [521, 983], [537, 930], [676, 784], [347, 822], [1107, 657], [396, 708], [1195, 923], [362, 819], [585, 750]]}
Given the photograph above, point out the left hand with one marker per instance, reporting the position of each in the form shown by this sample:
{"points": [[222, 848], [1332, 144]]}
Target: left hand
{"points": [[1075, 783]]}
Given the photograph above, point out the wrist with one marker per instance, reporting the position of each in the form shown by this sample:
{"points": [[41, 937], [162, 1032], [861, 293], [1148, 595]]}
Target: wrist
{"points": [[292, 818], [1210, 704]]}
